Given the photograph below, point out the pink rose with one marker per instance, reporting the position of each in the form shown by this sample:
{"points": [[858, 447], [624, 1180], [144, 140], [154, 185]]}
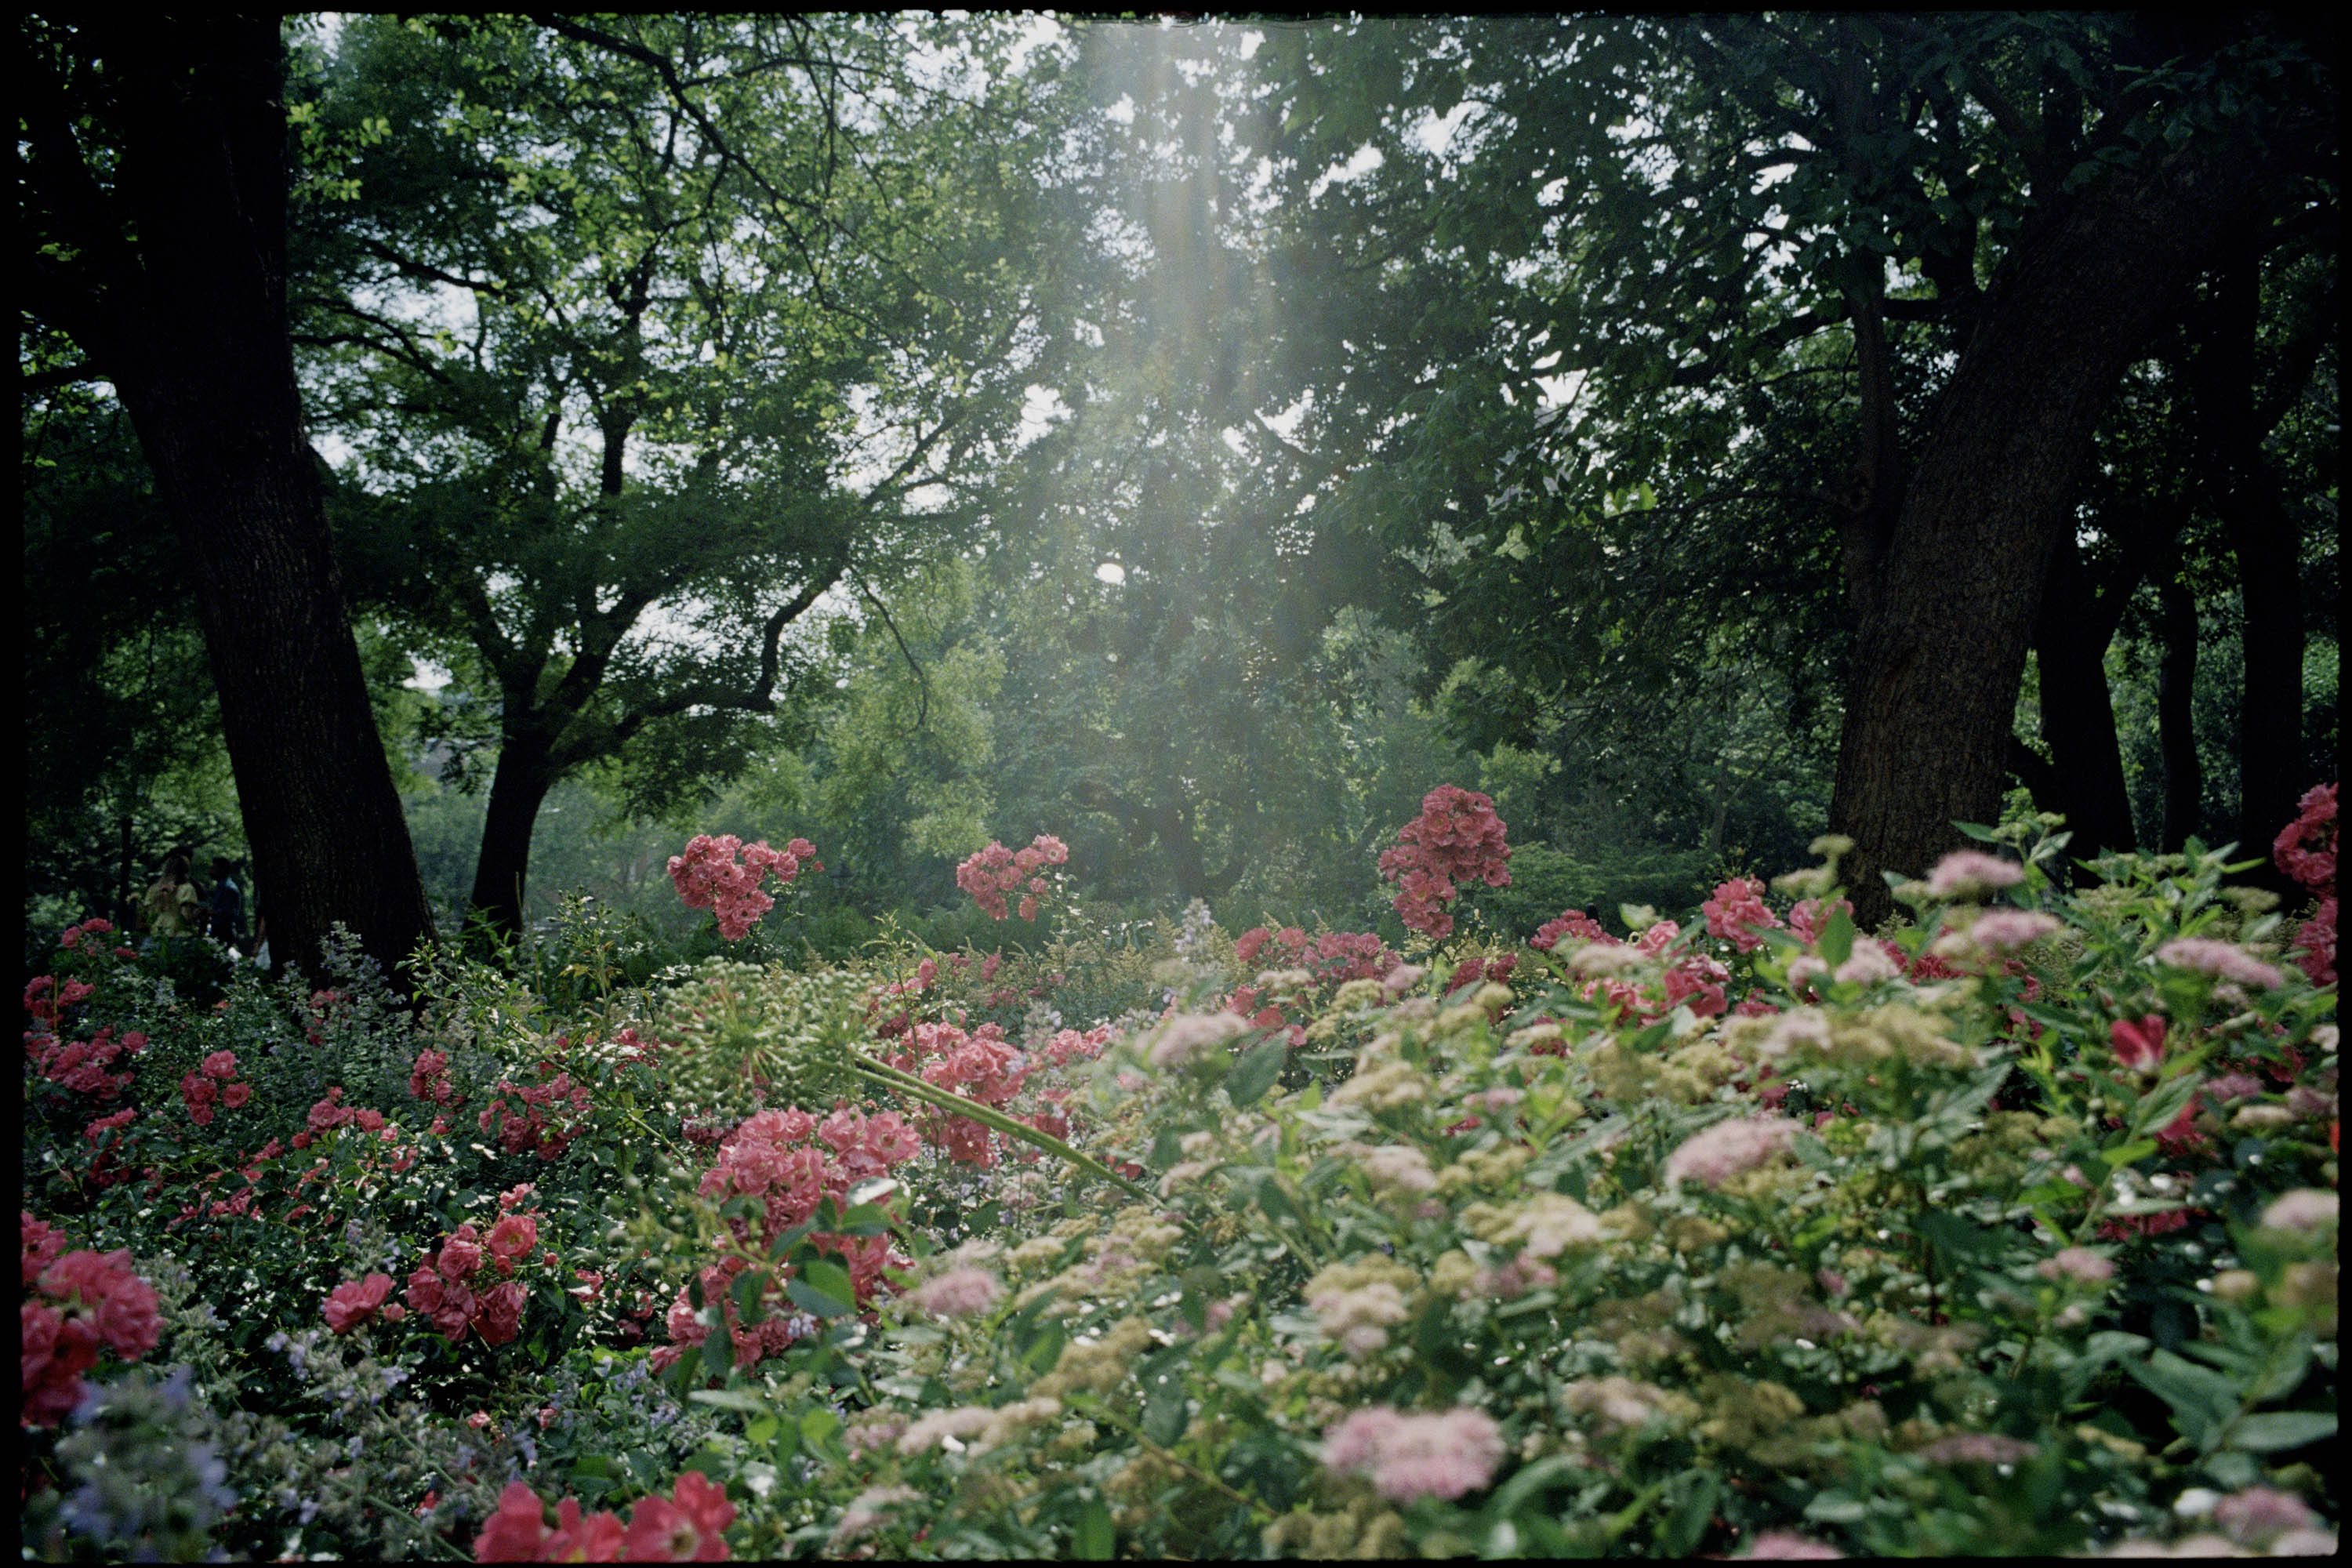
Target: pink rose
{"points": [[351, 1304], [511, 1239], [497, 1315]]}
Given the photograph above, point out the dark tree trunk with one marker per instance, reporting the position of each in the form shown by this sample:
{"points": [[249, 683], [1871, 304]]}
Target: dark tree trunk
{"points": [[2078, 717], [177, 289], [1947, 596], [2245, 494], [2175, 723], [502, 869]]}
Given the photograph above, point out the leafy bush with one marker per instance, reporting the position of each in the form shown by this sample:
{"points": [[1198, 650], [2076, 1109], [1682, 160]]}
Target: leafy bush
{"points": [[2011, 1230]]}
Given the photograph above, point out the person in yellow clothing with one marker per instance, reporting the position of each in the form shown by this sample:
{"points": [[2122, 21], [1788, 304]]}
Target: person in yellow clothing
{"points": [[169, 908]]}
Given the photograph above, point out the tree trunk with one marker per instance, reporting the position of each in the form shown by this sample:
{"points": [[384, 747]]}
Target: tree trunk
{"points": [[2175, 723], [179, 293], [502, 869], [1948, 599], [2245, 494], [2078, 717]]}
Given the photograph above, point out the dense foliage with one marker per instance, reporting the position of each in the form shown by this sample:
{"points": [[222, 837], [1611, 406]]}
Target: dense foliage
{"points": [[2011, 1228]]}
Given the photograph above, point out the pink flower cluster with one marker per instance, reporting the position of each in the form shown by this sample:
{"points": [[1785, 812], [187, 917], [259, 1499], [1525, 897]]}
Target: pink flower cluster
{"points": [[330, 1113], [989, 874], [549, 1115], [2306, 850], [2206, 955], [443, 1287], [1726, 1149], [212, 1082], [1457, 838], [93, 1300], [429, 1079], [47, 1001], [1736, 911], [708, 878], [687, 1526], [1333, 957], [81, 1066], [983, 1065], [2138, 1044], [791, 1160], [94, 926], [1410, 1458], [1971, 874], [353, 1302], [1573, 923]]}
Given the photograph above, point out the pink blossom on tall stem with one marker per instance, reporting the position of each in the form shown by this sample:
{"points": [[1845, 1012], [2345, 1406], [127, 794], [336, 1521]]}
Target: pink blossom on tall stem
{"points": [[708, 878], [987, 875], [1457, 838]]}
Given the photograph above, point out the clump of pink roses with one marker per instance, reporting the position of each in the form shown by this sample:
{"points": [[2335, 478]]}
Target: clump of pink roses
{"points": [[1457, 838], [987, 875], [791, 1161], [92, 1299], [708, 877], [687, 1526], [2306, 850], [212, 1082]]}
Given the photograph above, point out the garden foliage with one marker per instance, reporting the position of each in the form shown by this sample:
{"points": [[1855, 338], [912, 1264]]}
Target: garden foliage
{"points": [[2009, 1229]]}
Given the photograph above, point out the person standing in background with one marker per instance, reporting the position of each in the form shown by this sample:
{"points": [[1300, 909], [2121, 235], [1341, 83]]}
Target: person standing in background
{"points": [[225, 909], [169, 907]]}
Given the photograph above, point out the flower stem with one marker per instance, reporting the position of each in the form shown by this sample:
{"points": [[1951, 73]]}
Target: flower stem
{"points": [[915, 1087]]}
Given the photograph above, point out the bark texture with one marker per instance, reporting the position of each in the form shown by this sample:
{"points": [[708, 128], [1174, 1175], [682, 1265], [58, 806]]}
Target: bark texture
{"points": [[174, 282], [1948, 599]]}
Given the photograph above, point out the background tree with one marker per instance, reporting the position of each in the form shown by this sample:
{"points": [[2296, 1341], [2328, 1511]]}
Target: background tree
{"points": [[152, 172], [729, 315], [1990, 216]]}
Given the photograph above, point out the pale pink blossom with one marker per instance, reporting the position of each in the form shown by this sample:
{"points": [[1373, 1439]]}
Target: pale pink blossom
{"points": [[926, 1431], [1969, 873], [2258, 1514], [2306, 1208], [2207, 957], [1181, 1039], [1410, 1458], [2005, 931], [1868, 965], [1977, 1448], [2076, 1263], [1728, 1148], [1787, 1546], [957, 1293]]}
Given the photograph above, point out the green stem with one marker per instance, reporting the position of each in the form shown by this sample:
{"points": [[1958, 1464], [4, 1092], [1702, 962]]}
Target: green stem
{"points": [[915, 1087]]}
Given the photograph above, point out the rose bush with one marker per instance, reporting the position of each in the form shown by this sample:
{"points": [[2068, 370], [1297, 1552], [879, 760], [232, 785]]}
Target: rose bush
{"points": [[2009, 1229]]}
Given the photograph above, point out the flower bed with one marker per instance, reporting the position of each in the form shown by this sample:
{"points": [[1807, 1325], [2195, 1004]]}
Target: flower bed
{"points": [[2012, 1228]]}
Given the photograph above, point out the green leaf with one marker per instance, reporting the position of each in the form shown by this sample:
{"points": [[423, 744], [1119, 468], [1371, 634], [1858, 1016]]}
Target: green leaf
{"points": [[2158, 1110], [822, 1288], [1979, 832], [1837, 939], [1094, 1539], [1165, 1403], [1690, 1517], [718, 1351], [1045, 1349], [2201, 1400], [749, 1290], [2282, 1429], [1256, 1073], [731, 1399]]}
